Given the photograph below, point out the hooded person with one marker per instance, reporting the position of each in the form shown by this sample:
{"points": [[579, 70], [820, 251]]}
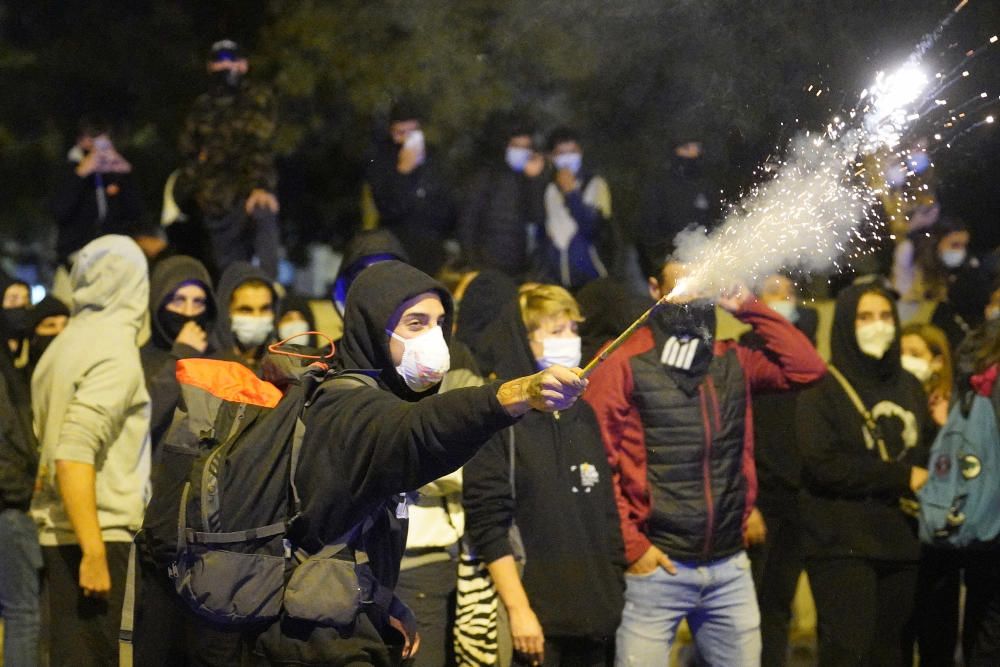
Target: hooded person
{"points": [[477, 312], [562, 500], [245, 323], [15, 316], [366, 248], [91, 411], [296, 318], [48, 318], [608, 308], [364, 445], [861, 548], [182, 309]]}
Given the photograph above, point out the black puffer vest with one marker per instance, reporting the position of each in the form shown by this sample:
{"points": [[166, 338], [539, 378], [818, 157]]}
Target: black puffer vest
{"points": [[694, 448]]}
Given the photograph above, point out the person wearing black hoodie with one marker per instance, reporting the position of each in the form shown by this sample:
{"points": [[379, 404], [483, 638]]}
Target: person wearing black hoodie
{"points": [[245, 323], [363, 446], [562, 501], [181, 310], [22, 555], [48, 318], [477, 312], [366, 248], [861, 547]]}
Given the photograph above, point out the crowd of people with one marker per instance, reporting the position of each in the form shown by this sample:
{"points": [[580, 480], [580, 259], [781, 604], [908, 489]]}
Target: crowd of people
{"points": [[497, 506]]}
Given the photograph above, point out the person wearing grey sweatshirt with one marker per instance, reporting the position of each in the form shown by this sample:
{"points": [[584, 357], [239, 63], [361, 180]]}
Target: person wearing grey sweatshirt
{"points": [[91, 413]]}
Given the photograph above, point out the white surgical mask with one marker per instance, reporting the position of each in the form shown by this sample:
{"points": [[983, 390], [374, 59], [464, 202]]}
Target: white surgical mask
{"points": [[252, 330], [992, 313], [425, 359], [294, 328], [921, 368], [517, 157], [952, 258], [560, 352], [786, 309], [571, 161], [875, 338]]}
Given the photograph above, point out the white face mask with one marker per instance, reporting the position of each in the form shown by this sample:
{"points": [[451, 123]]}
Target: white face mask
{"points": [[252, 330], [875, 339], [571, 161], [560, 352], [992, 312], [293, 328], [952, 258], [921, 368], [786, 309], [517, 157], [425, 359]]}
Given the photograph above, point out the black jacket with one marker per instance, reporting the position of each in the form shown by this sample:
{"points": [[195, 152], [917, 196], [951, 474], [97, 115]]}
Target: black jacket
{"points": [[77, 213], [416, 207], [18, 447], [562, 501], [495, 221], [363, 446], [160, 354], [850, 499]]}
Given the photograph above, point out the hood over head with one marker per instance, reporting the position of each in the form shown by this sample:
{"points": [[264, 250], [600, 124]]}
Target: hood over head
{"points": [[109, 281], [364, 249], [484, 296], [299, 303], [237, 273], [47, 307], [608, 308], [860, 369], [14, 321], [167, 276], [372, 301], [503, 350]]}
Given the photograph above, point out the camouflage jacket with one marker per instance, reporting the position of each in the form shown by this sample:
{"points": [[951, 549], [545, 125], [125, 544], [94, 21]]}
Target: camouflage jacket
{"points": [[227, 146]]}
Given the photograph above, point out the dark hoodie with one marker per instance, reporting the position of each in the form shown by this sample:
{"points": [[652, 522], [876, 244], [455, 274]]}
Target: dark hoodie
{"points": [[565, 505], [47, 307], [18, 447], [608, 308], [363, 445], [365, 248], [222, 340], [161, 353], [477, 313], [850, 500]]}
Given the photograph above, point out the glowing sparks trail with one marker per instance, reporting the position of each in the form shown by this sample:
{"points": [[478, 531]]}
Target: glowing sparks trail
{"points": [[811, 214]]}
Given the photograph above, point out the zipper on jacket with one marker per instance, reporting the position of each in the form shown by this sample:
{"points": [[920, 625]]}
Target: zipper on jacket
{"points": [[211, 491], [706, 472]]}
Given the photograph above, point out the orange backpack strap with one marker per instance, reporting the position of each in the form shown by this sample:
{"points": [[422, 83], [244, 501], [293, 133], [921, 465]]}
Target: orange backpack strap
{"points": [[227, 380]]}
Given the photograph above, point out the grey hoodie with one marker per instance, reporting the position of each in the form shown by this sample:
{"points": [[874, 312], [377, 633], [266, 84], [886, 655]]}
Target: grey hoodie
{"points": [[90, 399]]}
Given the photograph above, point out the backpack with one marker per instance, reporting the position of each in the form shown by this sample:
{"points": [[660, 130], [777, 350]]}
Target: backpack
{"points": [[959, 502], [223, 513]]}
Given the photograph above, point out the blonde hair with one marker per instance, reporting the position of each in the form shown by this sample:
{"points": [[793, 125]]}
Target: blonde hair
{"points": [[542, 301], [937, 343]]}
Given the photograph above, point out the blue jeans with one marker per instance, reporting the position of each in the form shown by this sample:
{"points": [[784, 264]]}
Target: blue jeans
{"points": [[716, 598], [19, 585]]}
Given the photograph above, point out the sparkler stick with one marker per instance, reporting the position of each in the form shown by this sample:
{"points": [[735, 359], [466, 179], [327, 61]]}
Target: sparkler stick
{"points": [[622, 337]]}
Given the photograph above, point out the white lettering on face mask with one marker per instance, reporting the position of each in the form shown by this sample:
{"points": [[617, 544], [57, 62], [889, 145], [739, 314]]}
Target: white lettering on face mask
{"points": [[425, 359]]}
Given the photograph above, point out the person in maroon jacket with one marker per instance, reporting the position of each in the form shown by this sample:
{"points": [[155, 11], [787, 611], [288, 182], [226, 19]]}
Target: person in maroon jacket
{"points": [[673, 404]]}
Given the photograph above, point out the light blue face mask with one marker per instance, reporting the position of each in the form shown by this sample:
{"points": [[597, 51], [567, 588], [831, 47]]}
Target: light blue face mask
{"points": [[571, 161], [517, 157], [786, 309], [952, 258]]}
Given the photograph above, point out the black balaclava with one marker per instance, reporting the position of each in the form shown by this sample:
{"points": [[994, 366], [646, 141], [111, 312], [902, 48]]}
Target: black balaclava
{"points": [[484, 297], [47, 307], [168, 276], [866, 374], [679, 326], [372, 302], [15, 323]]}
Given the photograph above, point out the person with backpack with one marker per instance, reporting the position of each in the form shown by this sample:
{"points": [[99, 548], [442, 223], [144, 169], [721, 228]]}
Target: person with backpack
{"points": [[959, 524], [91, 411], [863, 433], [365, 443]]}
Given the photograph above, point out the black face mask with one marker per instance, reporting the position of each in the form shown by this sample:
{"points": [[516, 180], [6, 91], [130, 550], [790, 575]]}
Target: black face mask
{"points": [[687, 336], [38, 345], [15, 323], [693, 320], [172, 322], [227, 79], [687, 167]]}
